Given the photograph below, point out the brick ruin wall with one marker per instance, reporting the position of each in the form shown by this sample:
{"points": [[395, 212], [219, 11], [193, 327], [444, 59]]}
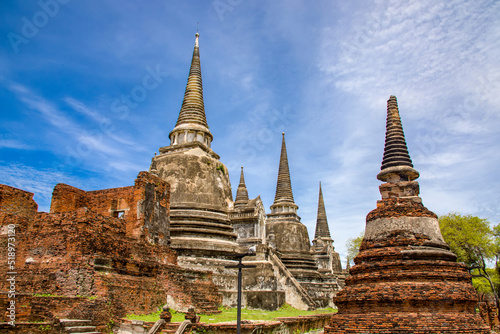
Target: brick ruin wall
{"points": [[82, 255], [143, 207], [17, 202]]}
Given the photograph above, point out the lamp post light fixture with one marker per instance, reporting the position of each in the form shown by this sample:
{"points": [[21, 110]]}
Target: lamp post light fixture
{"points": [[251, 252]]}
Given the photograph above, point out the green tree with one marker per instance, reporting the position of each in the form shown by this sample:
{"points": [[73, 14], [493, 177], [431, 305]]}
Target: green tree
{"points": [[353, 245], [476, 244], [496, 247]]}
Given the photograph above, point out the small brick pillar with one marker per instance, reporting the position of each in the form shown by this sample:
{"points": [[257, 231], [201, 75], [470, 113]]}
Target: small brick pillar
{"points": [[165, 314], [483, 312], [191, 315], [493, 315]]}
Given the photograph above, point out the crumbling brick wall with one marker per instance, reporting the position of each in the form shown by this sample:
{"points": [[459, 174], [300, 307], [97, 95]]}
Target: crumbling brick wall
{"points": [[81, 250], [17, 202], [67, 198], [142, 207]]}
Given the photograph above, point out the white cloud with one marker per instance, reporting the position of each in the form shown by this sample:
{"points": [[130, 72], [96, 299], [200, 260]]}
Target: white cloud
{"points": [[126, 166], [441, 60], [15, 144], [106, 126], [40, 181], [86, 142], [81, 108], [412, 47], [47, 109]]}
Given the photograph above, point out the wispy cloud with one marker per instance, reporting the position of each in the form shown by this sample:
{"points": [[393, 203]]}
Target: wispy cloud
{"points": [[105, 124], [83, 142], [40, 181], [126, 166], [412, 47], [46, 109], [15, 144], [81, 108], [441, 60]]}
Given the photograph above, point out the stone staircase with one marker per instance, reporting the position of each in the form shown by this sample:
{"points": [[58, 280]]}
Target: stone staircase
{"points": [[204, 306], [77, 326], [171, 328], [199, 298], [294, 291]]}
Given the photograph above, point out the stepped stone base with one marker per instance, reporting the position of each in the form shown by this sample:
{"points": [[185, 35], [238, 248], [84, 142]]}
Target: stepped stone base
{"points": [[260, 285], [405, 323], [74, 326]]}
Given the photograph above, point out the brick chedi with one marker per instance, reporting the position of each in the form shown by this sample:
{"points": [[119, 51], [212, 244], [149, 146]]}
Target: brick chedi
{"points": [[207, 228], [261, 286], [405, 279], [201, 197], [290, 235], [248, 217], [327, 259], [291, 239], [242, 192], [201, 190]]}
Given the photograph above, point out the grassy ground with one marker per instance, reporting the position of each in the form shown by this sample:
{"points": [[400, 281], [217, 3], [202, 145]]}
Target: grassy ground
{"points": [[229, 314]]}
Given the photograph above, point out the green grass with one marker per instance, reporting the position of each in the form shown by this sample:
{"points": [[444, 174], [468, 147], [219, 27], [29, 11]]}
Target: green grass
{"points": [[229, 314], [153, 317], [45, 295]]}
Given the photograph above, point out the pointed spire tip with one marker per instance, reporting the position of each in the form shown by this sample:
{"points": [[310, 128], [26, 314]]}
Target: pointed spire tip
{"points": [[241, 192], [396, 161], [322, 229], [284, 186]]}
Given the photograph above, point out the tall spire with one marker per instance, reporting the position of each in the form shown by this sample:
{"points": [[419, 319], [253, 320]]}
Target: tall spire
{"points": [[193, 108], [396, 163], [322, 230], [284, 186], [192, 124], [242, 192]]}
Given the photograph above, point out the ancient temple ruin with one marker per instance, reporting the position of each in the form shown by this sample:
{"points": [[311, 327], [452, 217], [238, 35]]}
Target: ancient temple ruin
{"points": [[98, 255], [405, 279], [168, 238], [248, 217], [207, 227], [200, 229]]}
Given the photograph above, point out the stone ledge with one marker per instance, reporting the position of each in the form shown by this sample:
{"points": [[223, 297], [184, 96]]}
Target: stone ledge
{"points": [[300, 324], [404, 323]]}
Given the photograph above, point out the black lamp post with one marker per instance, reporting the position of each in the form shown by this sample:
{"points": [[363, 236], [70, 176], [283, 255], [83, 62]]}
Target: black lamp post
{"points": [[240, 266]]}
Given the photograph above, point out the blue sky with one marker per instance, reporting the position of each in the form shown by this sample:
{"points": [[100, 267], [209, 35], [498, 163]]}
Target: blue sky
{"points": [[77, 107]]}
